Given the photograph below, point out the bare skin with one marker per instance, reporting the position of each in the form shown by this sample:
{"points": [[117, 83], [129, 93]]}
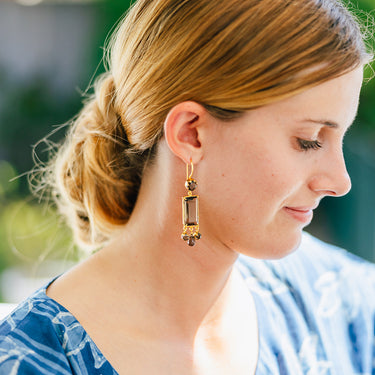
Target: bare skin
{"points": [[154, 305]]}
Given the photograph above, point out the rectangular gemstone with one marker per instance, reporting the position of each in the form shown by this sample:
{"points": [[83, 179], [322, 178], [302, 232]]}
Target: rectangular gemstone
{"points": [[190, 210]]}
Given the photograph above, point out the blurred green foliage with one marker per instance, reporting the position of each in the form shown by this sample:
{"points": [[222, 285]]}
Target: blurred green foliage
{"points": [[365, 10], [31, 232]]}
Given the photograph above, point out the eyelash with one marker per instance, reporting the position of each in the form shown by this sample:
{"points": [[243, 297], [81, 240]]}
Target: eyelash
{"points": [[305, 145]]}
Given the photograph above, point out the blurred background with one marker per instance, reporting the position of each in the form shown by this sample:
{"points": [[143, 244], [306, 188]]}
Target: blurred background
{"points": [[49, 53]]}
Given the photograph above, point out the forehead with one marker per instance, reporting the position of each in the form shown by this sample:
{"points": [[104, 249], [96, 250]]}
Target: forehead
{"points": [[336, 101]]}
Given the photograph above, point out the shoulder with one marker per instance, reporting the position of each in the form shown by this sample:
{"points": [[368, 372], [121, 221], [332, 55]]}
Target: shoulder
{"points": [[312, 260], [326, 264], [321, 275], [30, 338], [41, 337], [315, 308]]}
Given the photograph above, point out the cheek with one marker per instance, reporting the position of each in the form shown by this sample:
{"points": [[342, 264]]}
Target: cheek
{"points": [[247, 180], [261, 176]]}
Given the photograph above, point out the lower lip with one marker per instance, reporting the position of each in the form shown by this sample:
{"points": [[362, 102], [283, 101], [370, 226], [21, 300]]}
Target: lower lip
{"points": [[302, 216]]}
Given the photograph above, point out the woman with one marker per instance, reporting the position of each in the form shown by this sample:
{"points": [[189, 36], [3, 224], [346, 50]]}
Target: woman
{"points": [[238, 105]]}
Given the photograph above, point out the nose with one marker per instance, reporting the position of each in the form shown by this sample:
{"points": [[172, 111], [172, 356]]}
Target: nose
{"points": [[331, 177]]}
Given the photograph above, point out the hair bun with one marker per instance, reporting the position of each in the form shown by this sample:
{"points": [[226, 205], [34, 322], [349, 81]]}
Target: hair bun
{"points": [[96, 177]]}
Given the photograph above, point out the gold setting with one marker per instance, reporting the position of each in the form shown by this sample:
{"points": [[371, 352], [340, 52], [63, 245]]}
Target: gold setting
{"points": [[190, 209]]}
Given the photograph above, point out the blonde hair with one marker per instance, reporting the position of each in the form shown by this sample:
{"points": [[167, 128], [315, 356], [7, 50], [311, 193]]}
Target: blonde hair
{"points": [[229, 55]]}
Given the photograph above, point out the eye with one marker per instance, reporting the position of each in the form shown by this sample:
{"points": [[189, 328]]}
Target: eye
{"points": [[305, 145]]}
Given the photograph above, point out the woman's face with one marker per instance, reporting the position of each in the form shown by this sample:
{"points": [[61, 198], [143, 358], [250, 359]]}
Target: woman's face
{"points": [[266, 172]]}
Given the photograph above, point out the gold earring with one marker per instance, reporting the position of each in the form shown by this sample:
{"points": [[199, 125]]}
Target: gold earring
{"points": [[190, 209]]}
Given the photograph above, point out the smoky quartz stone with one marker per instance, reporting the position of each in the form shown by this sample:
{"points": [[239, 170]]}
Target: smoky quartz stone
{"points": [[190, 210], [191, 241], [191, 184]]}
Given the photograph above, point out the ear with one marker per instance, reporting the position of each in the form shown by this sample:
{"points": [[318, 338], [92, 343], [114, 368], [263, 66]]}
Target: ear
{"points": [[183, 130]]}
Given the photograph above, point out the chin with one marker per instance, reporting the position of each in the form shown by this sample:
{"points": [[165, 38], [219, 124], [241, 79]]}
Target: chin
{"points": [[287, 246]]}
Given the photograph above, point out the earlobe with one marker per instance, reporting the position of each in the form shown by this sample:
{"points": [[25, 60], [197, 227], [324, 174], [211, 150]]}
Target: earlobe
{"points": [[182, 130]]}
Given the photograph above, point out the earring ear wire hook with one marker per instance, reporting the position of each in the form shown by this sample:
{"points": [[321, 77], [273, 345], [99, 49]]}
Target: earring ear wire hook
{"points": [[191, 165]]}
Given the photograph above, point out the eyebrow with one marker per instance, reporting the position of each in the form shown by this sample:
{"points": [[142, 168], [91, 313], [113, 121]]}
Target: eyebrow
{"points": [[328, 123]]}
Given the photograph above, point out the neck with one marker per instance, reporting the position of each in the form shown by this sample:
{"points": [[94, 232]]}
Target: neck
{"points": [[185, 287]]}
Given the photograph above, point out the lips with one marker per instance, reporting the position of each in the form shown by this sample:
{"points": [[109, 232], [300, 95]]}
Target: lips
{"points": [[301, 214]]}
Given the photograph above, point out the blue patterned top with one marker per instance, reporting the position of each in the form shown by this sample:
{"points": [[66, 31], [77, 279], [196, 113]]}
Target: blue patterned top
{"points": [[315, 308]]}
